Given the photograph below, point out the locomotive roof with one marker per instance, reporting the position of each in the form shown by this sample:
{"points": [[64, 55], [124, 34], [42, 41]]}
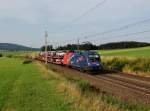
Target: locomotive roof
{"points": [[86, 53]]}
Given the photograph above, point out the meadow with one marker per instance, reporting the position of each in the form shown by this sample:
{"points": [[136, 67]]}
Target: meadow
{"points": [[23, 87], [135, 61], [133, 52], [14, 53], [35, 87]]}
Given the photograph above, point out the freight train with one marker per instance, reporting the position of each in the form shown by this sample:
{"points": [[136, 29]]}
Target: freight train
{"points": [[82, 60]]}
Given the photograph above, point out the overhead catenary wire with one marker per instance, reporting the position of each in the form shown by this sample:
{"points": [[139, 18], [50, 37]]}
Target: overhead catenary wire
{"points": [[118, 29], [104, 32], [83, 14], [88, 11], [122, 35], [114, 30]]}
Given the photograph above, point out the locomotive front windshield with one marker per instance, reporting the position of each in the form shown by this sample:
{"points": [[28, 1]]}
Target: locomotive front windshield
{"points": [[94, 58]]}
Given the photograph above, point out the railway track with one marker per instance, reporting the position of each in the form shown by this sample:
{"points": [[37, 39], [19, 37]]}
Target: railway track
{"points": [[127, 87], [139, 88], [137, 82]]}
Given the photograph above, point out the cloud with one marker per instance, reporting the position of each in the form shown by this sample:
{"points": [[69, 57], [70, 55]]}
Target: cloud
{"points": [[29, 11], [20, 19]]}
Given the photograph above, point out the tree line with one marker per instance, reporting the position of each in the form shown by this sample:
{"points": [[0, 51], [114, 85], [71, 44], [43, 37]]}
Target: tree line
{"points": [[90, 46]]}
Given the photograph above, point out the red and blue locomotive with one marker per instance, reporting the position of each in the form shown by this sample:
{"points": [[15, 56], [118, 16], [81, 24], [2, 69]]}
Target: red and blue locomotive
{"points": [[85, 61], [82, 60]]}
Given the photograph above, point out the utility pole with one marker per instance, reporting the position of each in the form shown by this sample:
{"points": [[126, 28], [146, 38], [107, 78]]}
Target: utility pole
{"points": [[31, 48], [78, 45], [46, 36], [31, 51]]}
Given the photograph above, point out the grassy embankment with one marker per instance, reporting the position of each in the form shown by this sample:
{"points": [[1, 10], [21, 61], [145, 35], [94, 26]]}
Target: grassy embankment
{"points": [[136, 60], [84, 96], [24, 88], [31, 87]]}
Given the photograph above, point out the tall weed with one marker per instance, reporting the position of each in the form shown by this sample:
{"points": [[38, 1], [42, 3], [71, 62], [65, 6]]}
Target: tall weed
{"points": [[126, 64]]}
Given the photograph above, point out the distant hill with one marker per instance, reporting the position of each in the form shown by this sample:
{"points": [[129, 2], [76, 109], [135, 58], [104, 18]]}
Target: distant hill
{"points": [[123, 45], [15, 47]]}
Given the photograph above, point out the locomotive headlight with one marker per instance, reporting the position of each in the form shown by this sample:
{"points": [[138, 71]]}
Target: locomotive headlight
{"points": [[97, 64], [89, 64]]}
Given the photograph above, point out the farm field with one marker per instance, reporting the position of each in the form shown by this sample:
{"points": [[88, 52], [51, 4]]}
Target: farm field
{"points": [[24, 88], [135, 61], [33, 87], [133, 52], [18, 54]]}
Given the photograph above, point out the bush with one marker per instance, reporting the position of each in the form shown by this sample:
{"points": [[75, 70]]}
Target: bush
{"points": [[1, 55], [27, 56], [141, 65], [115, 63], [84, 86], [132, 65], [27, 61], [123, 104], [9, 56]]}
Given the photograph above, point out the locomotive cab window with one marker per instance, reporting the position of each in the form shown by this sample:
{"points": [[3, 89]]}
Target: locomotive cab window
{"points": [[94, 58]]}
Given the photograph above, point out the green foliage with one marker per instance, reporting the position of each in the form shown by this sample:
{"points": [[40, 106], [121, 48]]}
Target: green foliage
{"points": [[123, 104], [135, 60], [115, 63], [84, 86], [123, 45], [115, 45], [134, 65], [9, 56], [1, 55], [27, 61], [49, 48], [85, 46]]}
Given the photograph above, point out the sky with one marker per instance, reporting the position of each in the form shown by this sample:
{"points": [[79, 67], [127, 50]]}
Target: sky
{"points": [[25, 21]]}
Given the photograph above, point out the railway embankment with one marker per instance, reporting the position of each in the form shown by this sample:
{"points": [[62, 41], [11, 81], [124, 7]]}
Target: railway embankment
{"points": [[129, 89]]}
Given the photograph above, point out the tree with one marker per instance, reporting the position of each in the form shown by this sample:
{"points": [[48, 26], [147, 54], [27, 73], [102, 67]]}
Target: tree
{"points": [[88, 46], [83, 46], [49, 48], [123, 45]]}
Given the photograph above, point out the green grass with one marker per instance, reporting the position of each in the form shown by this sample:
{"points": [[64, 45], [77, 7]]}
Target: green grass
{"points": [[84, 94], [137, 65], [133, 60], [134, 52], [31, 87], [23, 88], [18, 54], [14, 53]]}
